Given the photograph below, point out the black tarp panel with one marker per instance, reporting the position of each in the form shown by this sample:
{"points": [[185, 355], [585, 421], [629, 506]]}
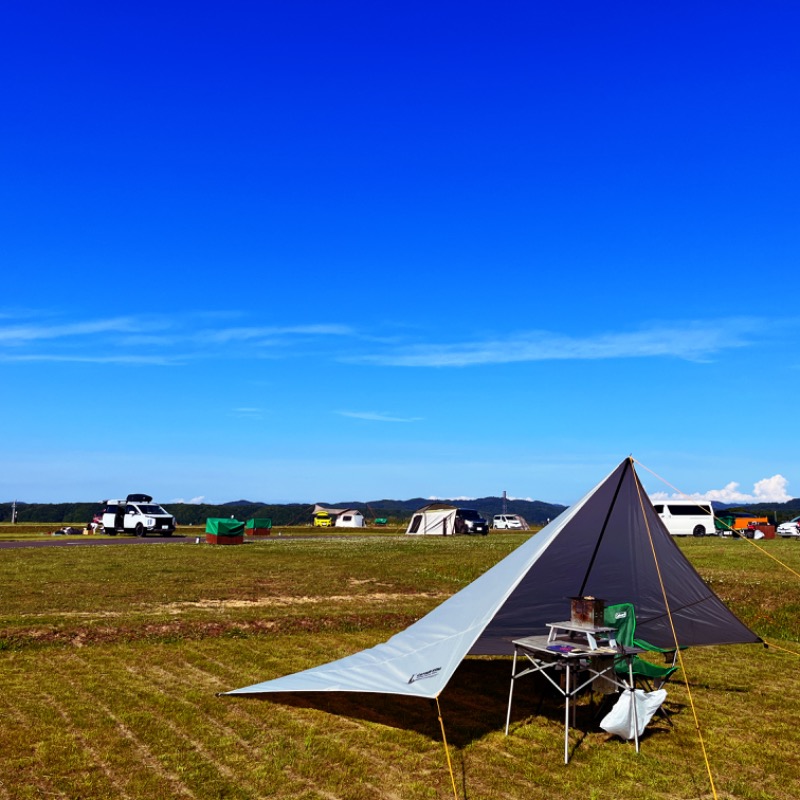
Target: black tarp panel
{"points": [[616, 548]]}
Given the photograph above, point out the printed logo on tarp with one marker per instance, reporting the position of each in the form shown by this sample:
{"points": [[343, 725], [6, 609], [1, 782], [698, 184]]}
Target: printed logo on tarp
{"points": [[420, 676]]}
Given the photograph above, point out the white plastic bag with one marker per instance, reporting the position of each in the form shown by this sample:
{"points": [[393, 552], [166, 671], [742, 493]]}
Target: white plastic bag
{"points": [[620, 720]]}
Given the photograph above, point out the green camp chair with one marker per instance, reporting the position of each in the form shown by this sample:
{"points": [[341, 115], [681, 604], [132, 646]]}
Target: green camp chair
{"points": [[622, 618]]}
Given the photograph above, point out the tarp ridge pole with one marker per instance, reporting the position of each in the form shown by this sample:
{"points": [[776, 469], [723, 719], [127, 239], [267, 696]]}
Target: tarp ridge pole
{"points": [[446, 748], [599, 541]]}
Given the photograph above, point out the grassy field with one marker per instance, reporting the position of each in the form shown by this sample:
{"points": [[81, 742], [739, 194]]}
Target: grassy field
{"points": [[38, 531], [111, 659]]}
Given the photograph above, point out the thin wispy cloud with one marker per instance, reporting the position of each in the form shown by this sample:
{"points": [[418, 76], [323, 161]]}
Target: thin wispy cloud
{"points": [[77, 358], [374, 416], [245, 333], [248, 412], [179, 339], [154, 340], [691, 341], [16, 334]]}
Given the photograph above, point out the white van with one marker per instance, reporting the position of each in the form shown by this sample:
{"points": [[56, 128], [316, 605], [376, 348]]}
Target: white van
{"points": [[137, 514], [506, 522], [687, 517]]}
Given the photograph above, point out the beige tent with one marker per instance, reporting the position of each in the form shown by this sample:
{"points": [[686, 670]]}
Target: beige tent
{"points": [[437, 519]]}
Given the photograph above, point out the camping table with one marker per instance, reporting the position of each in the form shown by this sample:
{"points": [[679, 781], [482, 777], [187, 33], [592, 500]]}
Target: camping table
{"points": [[580, 657]]}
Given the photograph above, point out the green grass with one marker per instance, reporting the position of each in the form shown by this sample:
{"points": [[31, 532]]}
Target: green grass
{"points": [[111, 660], [33, 531]]}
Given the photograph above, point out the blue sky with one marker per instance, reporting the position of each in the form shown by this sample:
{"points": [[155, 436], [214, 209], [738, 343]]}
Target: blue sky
{"points": [[321, 252]]}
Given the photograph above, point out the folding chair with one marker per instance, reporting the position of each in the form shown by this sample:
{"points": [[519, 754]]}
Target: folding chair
{"points": [[622, 618]]}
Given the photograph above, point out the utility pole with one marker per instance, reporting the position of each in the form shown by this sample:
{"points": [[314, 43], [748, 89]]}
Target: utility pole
{"points": [[505, 503], [14, 512]]}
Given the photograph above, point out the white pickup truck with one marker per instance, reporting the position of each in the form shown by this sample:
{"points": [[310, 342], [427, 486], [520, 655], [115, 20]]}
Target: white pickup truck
{"points": [[137, 514]]}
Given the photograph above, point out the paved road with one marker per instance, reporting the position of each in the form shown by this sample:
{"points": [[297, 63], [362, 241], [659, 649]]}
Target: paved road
{"points": [[66, 541]]}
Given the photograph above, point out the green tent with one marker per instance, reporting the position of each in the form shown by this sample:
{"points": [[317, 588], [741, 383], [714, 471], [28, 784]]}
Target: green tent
{"points": [[258, 522]]}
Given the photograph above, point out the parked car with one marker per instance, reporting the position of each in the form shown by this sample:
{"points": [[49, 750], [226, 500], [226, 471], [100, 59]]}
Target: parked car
{"points": [[137, 514], [469, 521], [790, 528], [686, 517], [507, 522]]}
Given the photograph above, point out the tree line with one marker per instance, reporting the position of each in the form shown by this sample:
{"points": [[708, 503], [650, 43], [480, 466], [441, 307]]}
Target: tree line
{"points": [[536, 512], [394, 511]]}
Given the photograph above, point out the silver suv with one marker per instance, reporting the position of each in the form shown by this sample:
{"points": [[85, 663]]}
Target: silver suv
{"points": [[136, 514]]}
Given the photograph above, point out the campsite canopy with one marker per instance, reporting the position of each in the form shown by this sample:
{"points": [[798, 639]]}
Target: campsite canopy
{"points": [[611, 544]]}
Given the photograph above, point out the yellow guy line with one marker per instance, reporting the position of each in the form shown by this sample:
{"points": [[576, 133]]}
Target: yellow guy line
{"points": [[677, 646], [749, 541], [778, 647], [446, 749]]}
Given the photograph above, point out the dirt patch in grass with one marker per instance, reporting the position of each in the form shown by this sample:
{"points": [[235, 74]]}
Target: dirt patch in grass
{"points": [[287, 601], [232, 604], [179, 630]]}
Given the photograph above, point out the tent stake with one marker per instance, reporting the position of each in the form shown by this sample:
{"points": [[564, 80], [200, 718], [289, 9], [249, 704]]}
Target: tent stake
{"points": [[446, 749]]}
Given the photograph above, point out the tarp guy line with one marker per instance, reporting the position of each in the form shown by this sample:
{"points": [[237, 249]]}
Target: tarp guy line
{"points": [[677, 643]]}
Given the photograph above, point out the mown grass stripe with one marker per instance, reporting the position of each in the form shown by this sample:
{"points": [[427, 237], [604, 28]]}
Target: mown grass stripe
{"points": [[114, 779], [127, 725]]}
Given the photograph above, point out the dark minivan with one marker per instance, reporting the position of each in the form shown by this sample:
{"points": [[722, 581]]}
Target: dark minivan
{"points": [[469, 521]]}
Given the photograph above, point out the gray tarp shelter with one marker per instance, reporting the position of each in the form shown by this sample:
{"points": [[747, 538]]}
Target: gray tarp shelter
{"points": [[606, 545]]}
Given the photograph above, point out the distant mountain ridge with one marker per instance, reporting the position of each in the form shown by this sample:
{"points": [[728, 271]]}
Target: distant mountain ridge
{"points": [[536, 512]]}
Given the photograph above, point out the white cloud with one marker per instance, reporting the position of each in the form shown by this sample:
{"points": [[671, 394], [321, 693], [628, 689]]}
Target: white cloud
{"points": [[151, 340], [375, 416], [122, 358], [690, 341], [249, 412], [195, 501], [25, 333], [767, 490], [179, 339], [245, 333]]}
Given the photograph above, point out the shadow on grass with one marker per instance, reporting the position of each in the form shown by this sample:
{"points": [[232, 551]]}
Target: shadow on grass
{"points": [[473, 705]]}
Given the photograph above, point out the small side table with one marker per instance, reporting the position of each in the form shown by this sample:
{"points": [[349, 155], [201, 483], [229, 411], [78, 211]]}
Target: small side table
{"points": [[573, 631]]}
